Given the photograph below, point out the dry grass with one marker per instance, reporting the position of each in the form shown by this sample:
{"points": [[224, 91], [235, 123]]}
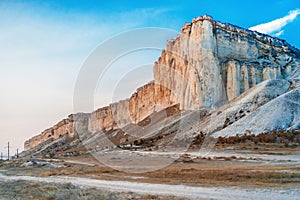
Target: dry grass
{"points": [[213, 172], [20, 190], [228, 177], [35, 191], [77, 170]]}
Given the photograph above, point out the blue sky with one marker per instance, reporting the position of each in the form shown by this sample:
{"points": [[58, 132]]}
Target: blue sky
{"points": [[44, 43]]}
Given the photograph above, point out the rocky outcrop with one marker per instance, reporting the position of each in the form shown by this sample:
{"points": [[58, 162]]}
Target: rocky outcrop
{"points": [[146, 100], [244, 105], [69, 126], [206, 66], [282, 113]]}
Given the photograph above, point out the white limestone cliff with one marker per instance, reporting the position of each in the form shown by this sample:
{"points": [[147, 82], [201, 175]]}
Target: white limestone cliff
{"points": [[206, 66]]}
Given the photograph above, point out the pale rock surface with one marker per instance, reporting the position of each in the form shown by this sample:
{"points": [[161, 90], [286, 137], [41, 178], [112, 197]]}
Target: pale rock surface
{"points": [[244, 105], [69, 126], [282, 113], [206, 66]]}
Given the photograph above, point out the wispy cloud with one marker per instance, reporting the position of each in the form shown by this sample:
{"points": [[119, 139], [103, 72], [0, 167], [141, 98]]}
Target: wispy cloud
{"points": [[275, 27]]}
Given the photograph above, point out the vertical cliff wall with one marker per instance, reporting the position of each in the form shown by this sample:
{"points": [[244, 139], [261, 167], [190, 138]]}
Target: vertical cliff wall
{"points": [[208, 64], [211, 63], [147, 99], [69, 126]]}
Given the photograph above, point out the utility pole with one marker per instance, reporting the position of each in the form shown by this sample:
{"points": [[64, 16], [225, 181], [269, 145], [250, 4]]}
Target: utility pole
{"points": [[17, 153], [8, 151]]}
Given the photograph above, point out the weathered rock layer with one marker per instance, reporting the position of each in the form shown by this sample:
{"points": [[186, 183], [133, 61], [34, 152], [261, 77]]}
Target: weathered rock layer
{"points": [[207, 65]]}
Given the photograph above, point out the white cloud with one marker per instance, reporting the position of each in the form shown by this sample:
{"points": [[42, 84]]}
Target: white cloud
{"points": [[275, 27]]}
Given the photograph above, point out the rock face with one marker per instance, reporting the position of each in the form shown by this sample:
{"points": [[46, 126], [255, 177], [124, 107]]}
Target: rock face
{"points": [[68, 126], [146, 100], [213, 62], [282, 113], [243, 107], [206, 66]]}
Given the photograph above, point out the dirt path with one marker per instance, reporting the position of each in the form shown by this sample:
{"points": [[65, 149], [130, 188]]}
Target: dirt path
{"points": [[164, 189]]}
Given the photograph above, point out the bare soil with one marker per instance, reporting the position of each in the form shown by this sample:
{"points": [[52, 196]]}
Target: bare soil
{"points": [[225, 170]]}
